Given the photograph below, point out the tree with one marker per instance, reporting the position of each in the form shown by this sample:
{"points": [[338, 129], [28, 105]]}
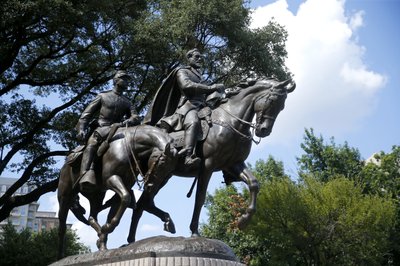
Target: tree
{"points": [[309, 222], [67, 51], [381, 175], [331, 223], [225, 207], [378, 176], [326, 161], [28, 248]]}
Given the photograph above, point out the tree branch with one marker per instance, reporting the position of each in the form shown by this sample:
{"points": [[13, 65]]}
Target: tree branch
{"points": [[27, 137], [27, 173]]}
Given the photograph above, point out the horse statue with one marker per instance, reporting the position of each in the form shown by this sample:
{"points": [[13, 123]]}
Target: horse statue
{"points": [[143, 150], [147, 149], [226, 146]]}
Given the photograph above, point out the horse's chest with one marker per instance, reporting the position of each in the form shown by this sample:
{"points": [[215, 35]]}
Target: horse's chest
{"points": [[226, 146]]}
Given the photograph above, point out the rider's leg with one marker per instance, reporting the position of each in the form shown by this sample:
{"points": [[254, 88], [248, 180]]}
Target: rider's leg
{"points": [[192, 127], [88, 180]]}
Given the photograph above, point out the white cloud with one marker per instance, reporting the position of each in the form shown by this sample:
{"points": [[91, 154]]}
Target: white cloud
{"points": [[53, 202], [335, 88], [363, 78], [356, 20]]}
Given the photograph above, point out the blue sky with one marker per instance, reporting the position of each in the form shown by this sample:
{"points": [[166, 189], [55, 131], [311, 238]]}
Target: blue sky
{"points": [[345, 60]]}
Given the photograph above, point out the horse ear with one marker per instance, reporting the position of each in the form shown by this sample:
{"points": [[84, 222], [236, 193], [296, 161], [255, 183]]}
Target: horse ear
{"points": [[167, 150], [290, 88], [284, 83]]}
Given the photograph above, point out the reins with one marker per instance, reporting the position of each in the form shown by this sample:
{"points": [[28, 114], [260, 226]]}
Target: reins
{"points": [[251, 125], [129, 149]]}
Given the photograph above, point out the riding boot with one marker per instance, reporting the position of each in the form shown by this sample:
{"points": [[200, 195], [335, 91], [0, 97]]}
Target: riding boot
{"points": [[190, 141], [88, 179]]}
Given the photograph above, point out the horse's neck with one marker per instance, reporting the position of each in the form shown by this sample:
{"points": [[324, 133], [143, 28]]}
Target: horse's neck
{"points": [[240, 106]]}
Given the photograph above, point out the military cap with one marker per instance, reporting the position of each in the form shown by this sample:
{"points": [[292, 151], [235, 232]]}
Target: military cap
{"points": [[120, 74]]}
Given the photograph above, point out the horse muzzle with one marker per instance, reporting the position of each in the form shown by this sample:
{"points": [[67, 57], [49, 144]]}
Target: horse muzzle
{"points": [[263, 132]]}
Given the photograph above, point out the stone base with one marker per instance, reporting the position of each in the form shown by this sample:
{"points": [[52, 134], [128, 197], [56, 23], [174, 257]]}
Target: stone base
{"points": [[161, 251]]}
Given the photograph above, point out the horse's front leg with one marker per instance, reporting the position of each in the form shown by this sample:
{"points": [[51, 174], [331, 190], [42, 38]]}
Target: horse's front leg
{"points": [[202, 184], [115, 184], [103, 236], [146, 203], [241, 173]]}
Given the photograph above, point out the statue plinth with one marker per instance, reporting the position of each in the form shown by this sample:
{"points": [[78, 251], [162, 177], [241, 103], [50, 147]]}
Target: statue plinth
{"points": [[161, 251]]}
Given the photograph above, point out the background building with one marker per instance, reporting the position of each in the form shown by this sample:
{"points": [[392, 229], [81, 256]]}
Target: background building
{"points": [[28, 216]]}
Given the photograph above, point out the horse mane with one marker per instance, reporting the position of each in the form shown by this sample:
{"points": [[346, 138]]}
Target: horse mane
{"points": [[261, 84]]}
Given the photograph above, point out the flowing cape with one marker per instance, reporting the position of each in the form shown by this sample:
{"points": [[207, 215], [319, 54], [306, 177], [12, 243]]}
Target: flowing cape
{"points": [[165, 101]]}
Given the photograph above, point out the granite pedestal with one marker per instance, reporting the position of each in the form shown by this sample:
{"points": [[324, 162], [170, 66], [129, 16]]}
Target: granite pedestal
{"points": [[161, 251]]}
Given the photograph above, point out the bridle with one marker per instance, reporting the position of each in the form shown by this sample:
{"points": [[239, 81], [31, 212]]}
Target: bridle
{"points": [[260, 116]]}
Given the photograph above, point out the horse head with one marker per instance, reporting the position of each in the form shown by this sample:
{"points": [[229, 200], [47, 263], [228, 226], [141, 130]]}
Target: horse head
{"points": [[269, 103]]}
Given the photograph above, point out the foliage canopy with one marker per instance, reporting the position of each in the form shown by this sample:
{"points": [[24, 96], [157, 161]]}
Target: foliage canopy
{"points": [[341, 211], [28, 248]]}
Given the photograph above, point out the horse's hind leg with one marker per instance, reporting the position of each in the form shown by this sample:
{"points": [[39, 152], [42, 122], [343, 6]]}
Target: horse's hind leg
{"points": [[203, 180], [65, 196], [64, 202], [103, 236]]}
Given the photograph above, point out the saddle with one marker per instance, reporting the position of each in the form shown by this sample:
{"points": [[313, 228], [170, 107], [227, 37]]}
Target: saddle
{"points": [[205, 121], [75, 155], [213, 100]]}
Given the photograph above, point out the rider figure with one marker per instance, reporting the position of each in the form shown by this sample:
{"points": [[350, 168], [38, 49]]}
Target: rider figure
{"points": [[182, 95], [193, 98], [110, 107]]}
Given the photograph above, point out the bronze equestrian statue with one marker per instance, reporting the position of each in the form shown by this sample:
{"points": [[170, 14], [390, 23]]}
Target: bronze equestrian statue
{"points": [[222, 144], [226, 141]]}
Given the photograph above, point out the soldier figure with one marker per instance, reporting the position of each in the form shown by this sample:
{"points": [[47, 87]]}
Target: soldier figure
{"points": [[178, 101], [111, 107]]}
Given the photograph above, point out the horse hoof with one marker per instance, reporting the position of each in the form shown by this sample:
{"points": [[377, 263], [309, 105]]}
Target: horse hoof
{"points": [[169, 226], [243, 221], [101, 245], [196, 235]]}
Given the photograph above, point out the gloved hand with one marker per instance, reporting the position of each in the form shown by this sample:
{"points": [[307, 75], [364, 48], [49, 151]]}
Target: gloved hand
{"points": [[81, 134], [218, 87], [132, 121]]}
